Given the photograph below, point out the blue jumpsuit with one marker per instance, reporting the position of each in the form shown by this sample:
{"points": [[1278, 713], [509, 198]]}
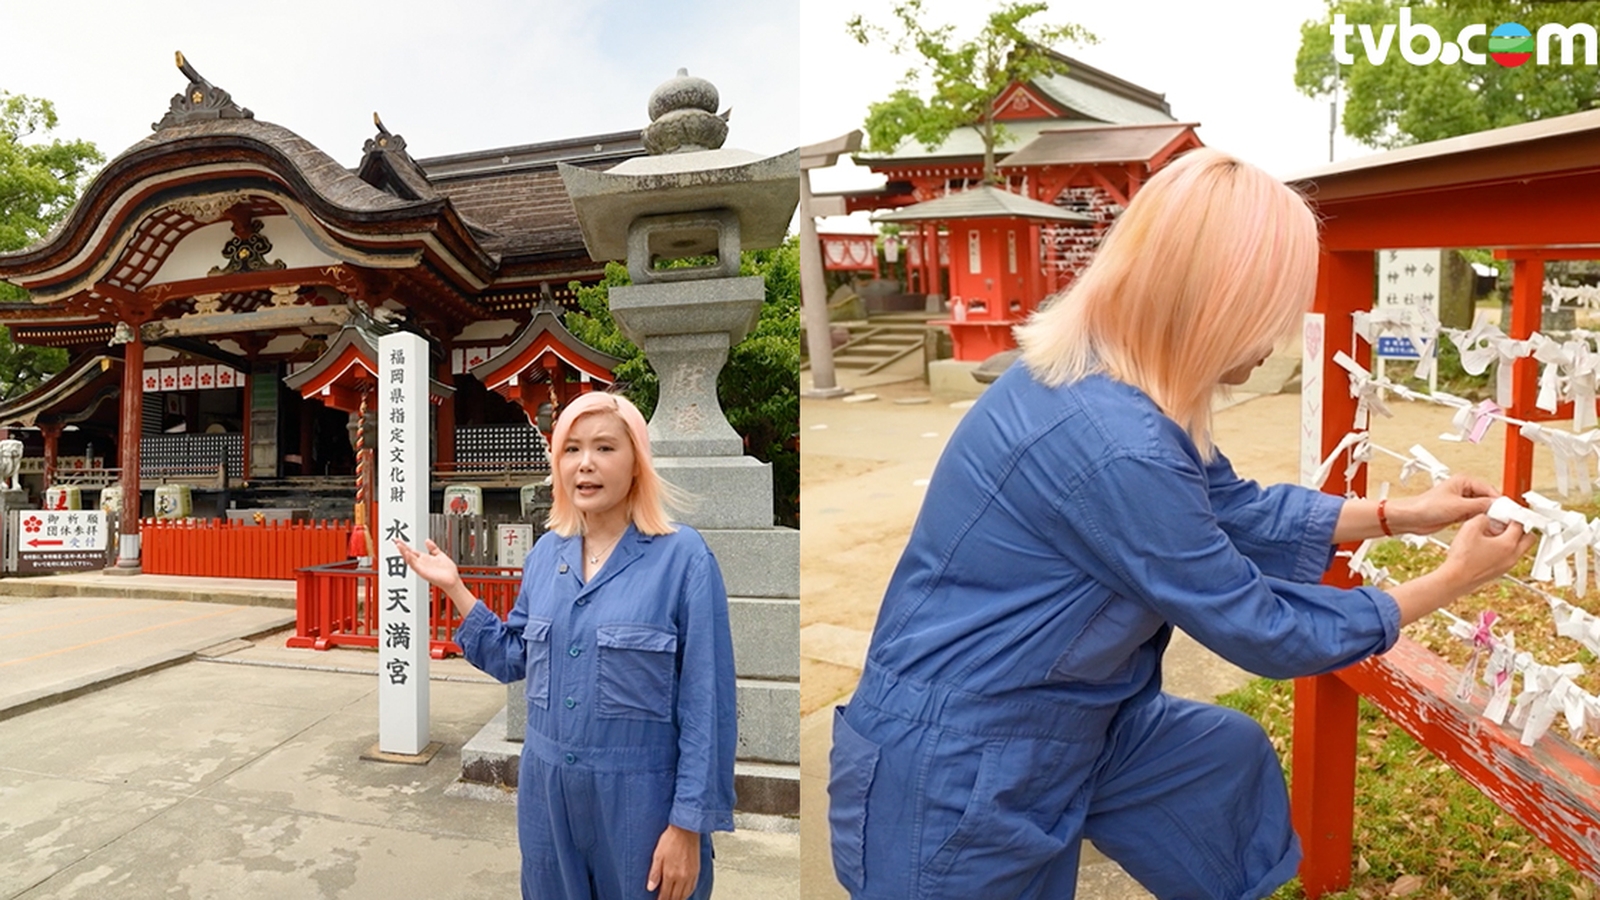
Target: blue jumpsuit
{"points": [[1011, 703], [631, 715]]}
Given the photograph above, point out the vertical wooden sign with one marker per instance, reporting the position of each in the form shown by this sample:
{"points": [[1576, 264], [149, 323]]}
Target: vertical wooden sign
{"points": [[403, 597], [1313, 358]]}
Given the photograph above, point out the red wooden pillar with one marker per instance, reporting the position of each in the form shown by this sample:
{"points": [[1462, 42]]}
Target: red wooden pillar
{"points": [[1322, 796], [247, 383], [132, 429], [52, 448], [1527, 290]]}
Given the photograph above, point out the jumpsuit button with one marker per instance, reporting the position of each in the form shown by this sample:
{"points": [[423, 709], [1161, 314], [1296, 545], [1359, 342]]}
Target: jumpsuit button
{"points": [[571, 758], [574, 651], [571, 703], [583, 601]]}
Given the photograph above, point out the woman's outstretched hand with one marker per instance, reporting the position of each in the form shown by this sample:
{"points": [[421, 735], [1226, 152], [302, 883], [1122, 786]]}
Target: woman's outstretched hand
{"points": [[439, 570]]}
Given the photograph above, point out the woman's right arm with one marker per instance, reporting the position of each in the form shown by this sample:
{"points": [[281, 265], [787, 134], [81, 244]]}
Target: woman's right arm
{"points": [[493, 646], [1143, 526]]}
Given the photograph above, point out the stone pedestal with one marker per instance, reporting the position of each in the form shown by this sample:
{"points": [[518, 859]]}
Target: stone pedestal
{"points": [[686, 329]]}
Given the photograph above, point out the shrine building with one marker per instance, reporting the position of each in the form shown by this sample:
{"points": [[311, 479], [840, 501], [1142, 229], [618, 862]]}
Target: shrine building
{"points": [[219, 286], [1083, 142]]}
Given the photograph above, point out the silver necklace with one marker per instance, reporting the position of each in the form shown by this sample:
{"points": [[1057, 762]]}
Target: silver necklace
{"points": [[594, 558]]}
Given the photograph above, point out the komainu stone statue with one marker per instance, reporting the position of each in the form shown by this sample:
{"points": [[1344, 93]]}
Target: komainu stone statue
{"points": [[10, 465]]}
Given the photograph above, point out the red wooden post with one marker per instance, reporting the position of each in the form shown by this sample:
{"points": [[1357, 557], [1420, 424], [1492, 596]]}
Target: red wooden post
{"points": [[52, 444], [1527, 290], [1322, 797], [131, 427]]}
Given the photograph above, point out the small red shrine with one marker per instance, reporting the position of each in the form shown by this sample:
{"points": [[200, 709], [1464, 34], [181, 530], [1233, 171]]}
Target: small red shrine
{"points": [[996, 280], [1083, 142]]}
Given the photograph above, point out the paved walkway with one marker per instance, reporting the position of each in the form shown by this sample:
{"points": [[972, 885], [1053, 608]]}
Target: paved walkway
{"points": [[232, 767]]}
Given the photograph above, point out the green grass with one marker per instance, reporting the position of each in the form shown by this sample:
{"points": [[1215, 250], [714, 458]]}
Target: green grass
{"points": [[1421, 831]]}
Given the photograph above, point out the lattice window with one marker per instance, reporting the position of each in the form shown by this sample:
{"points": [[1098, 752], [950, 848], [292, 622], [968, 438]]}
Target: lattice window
{"points": [[194, 454], [519, 445]]}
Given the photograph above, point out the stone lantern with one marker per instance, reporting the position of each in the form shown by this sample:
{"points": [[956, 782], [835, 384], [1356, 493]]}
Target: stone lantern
{"points": [[696, 203], [691, 199]]}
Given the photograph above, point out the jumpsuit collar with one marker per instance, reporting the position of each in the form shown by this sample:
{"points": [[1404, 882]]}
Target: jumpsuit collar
{"points": [[628, 548]]}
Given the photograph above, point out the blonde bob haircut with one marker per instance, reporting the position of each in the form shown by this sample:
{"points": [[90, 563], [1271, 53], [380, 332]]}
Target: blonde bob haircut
{"points": [[648, 496], [1210, 267]]}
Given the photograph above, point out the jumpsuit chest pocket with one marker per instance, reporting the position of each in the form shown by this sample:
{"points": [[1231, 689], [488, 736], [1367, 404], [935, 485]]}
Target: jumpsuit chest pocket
{"points": [[536, 640], [1104, 651], [637, 672]]}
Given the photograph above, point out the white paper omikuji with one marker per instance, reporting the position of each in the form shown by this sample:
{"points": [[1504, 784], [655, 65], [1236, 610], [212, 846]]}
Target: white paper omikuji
{"points": [[1367, 393], [1497, 675], [1572, 622], [1423, 461], [1360, 452]]}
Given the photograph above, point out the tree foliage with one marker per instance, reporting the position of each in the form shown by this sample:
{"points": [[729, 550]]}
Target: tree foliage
{"points": [[39, 182], [759, 386], [1395, 103], [964, 78]]}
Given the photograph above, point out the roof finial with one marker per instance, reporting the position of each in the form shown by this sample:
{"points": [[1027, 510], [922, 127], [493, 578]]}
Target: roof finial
{"points": [[202, 101], [385, 140]]}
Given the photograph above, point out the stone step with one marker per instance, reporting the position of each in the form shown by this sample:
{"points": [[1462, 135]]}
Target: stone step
{"points": [[767, 788], [766, 637], [769, 720], [757, 562], [762, 787], [878, 349]]}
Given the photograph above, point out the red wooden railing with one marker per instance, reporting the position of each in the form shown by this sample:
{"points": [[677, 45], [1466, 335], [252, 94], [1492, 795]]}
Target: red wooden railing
{"points": [[217, 548], [336, 605]]}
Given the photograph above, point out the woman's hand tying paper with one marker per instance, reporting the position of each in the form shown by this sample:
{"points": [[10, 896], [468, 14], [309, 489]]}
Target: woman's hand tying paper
{"points": [[1451, 501], [1476, 557]]}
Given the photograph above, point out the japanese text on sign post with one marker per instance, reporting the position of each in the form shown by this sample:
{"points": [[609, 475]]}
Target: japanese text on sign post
{"points": [[403, 605]]}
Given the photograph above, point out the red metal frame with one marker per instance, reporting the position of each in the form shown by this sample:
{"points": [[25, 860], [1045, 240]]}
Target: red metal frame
{"points": [[336, 605]]}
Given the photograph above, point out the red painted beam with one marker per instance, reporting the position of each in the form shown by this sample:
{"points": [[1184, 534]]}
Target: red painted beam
{"points": [[1552, 788]]}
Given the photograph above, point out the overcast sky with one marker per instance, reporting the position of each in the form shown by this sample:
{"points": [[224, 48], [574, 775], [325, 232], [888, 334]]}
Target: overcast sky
{"points": [[1227, 64], [450, 77], [481, 74]]}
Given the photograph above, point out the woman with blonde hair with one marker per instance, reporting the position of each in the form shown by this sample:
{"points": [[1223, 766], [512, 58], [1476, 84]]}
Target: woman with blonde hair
{"points": [[621, 630], [1011, 702]]}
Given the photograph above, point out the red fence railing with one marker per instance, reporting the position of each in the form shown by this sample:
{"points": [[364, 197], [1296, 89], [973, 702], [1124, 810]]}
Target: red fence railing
{"points": [[336, 605], [217, 548]]}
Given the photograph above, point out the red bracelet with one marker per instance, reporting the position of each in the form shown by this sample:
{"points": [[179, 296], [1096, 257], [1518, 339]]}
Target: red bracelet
{"points": [[1383, 520]]}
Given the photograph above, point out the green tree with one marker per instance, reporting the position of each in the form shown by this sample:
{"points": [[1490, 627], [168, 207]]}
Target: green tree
{"points": [[965, 77], [1395, 103], [759, 386], [38, 183]]}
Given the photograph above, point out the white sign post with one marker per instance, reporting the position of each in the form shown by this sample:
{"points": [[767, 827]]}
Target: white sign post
{"points": [[403, 597]]}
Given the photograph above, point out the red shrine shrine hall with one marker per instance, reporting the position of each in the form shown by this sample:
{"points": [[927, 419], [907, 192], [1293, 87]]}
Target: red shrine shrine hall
{"points": [[1083, 141], [220, 285]]}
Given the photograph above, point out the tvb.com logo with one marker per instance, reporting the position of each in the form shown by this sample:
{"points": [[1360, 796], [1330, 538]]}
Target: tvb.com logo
{"points": [[1420, 44]]}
